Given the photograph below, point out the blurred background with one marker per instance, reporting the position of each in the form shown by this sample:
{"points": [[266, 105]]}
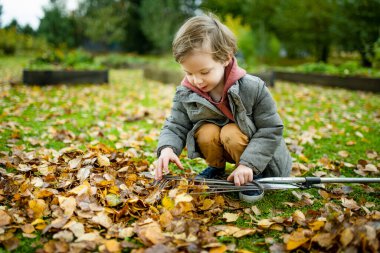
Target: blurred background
{"points": [[331, 36]]}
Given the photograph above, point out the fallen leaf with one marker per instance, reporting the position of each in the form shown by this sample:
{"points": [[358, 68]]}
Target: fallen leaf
{"points": [[296, 239], [183, 197], [112, 246], [230, 217], [265, 223], [316, 225], [299, 217], [5, 219], [103, 161], [102, 219], [324, 239], [150, 233], [38, 207], [68, 204], [346, 237], [350, 204]]}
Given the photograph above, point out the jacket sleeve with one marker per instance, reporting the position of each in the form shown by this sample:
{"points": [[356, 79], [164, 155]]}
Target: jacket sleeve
{"points": [[175, 129], [264, 142]]}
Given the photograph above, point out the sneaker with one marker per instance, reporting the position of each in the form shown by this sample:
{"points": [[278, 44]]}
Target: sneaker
{"points": [[211, 173], [251, 196]]}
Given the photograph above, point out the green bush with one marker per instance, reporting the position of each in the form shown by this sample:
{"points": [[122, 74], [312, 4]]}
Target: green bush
{"points": [[60, 59], [8, 41], [348, 68], [12, 42]]}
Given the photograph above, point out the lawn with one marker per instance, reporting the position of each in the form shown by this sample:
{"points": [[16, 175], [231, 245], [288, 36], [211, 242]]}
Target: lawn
{"points": [[71, 159]]}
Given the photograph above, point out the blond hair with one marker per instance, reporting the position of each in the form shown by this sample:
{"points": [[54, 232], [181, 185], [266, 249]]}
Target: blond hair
{"points": [[199, 30]]}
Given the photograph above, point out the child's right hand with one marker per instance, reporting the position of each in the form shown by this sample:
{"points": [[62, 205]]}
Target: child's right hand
{"points": [[167, 155]]}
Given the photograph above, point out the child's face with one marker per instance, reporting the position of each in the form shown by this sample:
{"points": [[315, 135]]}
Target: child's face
{"points": [[203, 72]]}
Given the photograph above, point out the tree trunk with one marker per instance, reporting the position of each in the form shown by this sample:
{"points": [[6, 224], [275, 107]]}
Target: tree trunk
{"points": [[323, 53], [365, 61]]}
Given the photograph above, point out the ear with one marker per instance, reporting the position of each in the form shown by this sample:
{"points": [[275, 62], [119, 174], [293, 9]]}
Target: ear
{"points": [[227, 61]]}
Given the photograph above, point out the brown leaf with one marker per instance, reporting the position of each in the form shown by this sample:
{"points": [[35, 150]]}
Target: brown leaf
{"points": [[230, 217], [67, 204], [166, 218], [27, 228], [265, 223], [346, 237], [5, 219], [299, 217], [150, 233], [350, 204], [324, 239], [102, 219], [343, 153]]}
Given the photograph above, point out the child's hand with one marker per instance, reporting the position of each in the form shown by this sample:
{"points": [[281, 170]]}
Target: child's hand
{"points": [[167, 155], [241, 175]]}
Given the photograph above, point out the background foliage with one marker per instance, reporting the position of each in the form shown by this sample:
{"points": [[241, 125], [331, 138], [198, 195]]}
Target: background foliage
{"points": [[267, 30]]}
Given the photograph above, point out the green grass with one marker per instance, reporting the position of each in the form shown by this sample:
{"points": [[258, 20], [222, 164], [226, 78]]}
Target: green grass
{"points": [[129, 112]]}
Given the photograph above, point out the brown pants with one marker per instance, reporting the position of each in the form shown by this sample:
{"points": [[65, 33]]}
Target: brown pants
{"points": [[219, 145]]}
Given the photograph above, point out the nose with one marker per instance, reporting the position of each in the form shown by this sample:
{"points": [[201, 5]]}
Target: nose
{"points": [[197, 80]]}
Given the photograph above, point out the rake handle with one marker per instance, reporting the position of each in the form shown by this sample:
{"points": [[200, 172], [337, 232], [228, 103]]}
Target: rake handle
{"points": [[317, 180]]}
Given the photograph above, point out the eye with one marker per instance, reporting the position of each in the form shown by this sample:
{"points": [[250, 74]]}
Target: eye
{"points": [[205, 73]]}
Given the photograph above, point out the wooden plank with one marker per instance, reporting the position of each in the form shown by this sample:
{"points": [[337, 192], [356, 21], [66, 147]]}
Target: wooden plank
{"points": [[47, 77], [350, 82]]}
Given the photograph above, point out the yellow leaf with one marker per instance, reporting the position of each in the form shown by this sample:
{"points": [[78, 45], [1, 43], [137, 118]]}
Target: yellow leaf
{"points": [[316, 225], [167, 203], [83, 188], [296, 239], [220, 249], [38, 207], [207, 204], [112, 246]]}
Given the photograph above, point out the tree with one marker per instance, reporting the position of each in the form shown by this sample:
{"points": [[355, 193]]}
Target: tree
{"points": [[162, 18], [305, 26], [56, 26], [358, 23], [105, 20], [135, 39]]}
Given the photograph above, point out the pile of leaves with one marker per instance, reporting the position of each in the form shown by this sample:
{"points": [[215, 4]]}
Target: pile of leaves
{"points": [[95, 199], [73, 161]]}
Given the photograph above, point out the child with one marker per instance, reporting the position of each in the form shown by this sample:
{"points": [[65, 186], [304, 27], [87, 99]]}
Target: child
{"points": [[221, 113]]}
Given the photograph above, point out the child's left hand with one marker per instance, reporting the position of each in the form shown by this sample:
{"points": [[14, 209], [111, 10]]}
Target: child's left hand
{"points": [[241, 175]]}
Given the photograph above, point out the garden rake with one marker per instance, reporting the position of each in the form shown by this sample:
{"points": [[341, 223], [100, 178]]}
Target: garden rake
{"points": [[214, 186]]}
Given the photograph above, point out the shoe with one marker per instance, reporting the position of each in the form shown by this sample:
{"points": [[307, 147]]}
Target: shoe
{"points": [[251, 196], [211, 173]]}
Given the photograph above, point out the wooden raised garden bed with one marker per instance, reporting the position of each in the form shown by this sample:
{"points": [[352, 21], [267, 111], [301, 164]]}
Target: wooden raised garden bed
{"points": [[349, 82], [47, 77]]}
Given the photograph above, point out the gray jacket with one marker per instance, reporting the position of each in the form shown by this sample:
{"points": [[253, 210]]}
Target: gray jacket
{"points": [[255, 113]]}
